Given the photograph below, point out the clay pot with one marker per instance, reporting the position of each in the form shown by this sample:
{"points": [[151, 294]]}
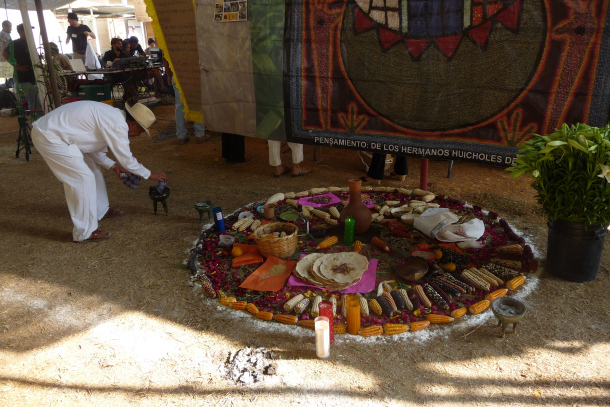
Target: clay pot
{"points": [[356, 208]]}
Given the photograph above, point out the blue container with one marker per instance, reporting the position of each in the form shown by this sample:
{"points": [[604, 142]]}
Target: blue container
{"points": [[219, 220]]}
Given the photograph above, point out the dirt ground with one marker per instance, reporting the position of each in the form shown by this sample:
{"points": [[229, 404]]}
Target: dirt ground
{"points": [[118, 322]]}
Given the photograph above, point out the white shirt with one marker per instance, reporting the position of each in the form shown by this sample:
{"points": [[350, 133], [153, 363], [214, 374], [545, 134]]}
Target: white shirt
{"points": [[93, 127]]}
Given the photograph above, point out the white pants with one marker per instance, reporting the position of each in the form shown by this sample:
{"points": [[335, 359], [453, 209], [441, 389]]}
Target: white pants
{"points": [[275, 149], [83, 182]]}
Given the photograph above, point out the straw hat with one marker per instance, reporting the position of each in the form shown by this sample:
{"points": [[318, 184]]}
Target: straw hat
{"points": [[141, 114]]}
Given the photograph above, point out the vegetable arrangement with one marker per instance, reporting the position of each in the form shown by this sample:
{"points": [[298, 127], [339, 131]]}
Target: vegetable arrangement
{"points": [[458, 283]]}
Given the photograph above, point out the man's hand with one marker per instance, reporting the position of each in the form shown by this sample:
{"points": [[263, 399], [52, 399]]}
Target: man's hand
{"points": [[118, 169], [157, 176]]}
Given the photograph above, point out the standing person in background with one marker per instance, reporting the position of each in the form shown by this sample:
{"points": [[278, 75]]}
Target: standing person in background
{"points": [[234, 149], [5, 36], [376, 170], [275, 159], [78, 33]]}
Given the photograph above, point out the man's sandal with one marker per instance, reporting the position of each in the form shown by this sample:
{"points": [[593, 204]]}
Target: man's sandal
{"points": [[96, 236], [114, 213]]}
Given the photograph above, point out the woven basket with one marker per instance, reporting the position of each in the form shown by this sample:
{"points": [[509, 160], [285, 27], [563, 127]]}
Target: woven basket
{"points": [[280, 247]]}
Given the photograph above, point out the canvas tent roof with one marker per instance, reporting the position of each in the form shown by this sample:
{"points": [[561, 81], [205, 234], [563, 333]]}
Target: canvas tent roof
{"points": [[46, 4]]}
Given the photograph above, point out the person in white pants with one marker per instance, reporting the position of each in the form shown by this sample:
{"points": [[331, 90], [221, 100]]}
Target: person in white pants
{"points": [[74, 139], [275, 159]]}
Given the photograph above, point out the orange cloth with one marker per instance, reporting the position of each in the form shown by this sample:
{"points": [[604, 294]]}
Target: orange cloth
{"points": [[251, 255], [264, 278]]}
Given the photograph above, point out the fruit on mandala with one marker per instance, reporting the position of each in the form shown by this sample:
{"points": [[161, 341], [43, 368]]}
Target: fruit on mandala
{"points": [[448, 267], [237, 251], [438, 254]]}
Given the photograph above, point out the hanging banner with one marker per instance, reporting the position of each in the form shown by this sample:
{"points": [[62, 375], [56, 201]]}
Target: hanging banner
{"points": [[466, 80], [175, 29]]}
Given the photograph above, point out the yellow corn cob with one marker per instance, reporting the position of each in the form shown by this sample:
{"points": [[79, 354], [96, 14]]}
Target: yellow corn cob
{"points": [[265, 316], [252, 309], [482, 276], [333, 300], [289, 195], [421, 192], [364, 306], [286, 319], [237, 224], [383, 209], [419, 290], [255, 225], [479, 307], [379, 218], [380, 244], [393, 329], [496, 294], [379, 189], [476, 280], [419, 325], [490, 276], [329, 241], [220, 294], [340, 328], [227, 300], [515, 282], [344, 305], [315, 310], [428, 198], [239, 305], [375, 307], [307, 323], [405, 191], [246, 225], [374, 216], [372, 330], [365, 189], [377, 208], [392, 203], [457, 313], [334, 189], [334, 212], [301, 306], [301, 194], [290, 304], [357, 246], [318, 191], [405, 296], [439, 319], [292, 202], [320, 214], [331, 221], [305, 212]]}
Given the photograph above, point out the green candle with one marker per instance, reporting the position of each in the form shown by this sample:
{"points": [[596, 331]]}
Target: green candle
{"points": [[348, 233]]}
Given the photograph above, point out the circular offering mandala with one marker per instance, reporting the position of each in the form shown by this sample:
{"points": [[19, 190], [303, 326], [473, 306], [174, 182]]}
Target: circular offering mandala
{"points": [[410, 280]]}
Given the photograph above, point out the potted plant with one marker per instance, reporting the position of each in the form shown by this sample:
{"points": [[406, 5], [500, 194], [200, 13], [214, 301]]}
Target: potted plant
{"points": [[571, 171]]}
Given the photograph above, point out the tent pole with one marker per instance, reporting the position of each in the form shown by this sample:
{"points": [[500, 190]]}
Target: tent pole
{"points": [[48, 55], [29, 35]]}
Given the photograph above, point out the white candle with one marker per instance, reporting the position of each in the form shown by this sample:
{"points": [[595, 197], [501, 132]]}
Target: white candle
{"points": [[322, 337]]}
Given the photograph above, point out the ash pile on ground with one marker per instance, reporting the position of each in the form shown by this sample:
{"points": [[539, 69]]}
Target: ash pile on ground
{"points": [[250, 365]]}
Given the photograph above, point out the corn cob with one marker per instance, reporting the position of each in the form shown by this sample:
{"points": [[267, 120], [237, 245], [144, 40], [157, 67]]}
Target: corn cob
{"points": [[502, 273], [421, 192], [255, 225], [388, 297], [374, 217], [446, 287], [515, 282], [383, 209], [414, 300], [405, 298], [265, 316], [457, 313], [357, 246], [329, 241], [379, 218], [206, 285], [439, 319], [286, 319], [331, 221], [283, 234], [400, 303], [393, 329], [380, 244], [457, 279], [479, 307], [428, 198], [246, 225], [386, 287], [227, 300], [301, 194], [422, 296], [440, 291], [377, 208], [340, 328], [239, 305], [320, 214], [405, 191], [364, 306], [483, 276], [365, 189], [307, 323], [474, 279], [292, 202], [220, 294], [334, 189], [333, 301], [453, 284], [510, 249], [344, 203], [392, 203], [511, 264], [315, 310], [501, 292], [432, 294], [240, 222], [344, 305], [305, 212], [490, 276], [379, 189], [318, 191], [289, 195], [251, 308], [372, 330], [419, 325], [301, 306], [385, 306], [290, 304], [334, 212], [375, 307]]}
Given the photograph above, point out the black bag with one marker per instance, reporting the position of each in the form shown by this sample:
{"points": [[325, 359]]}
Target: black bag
{"points": [[7, 98]]}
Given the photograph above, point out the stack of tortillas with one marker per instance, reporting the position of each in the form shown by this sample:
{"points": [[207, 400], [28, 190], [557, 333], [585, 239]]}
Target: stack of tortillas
{"points": [[333, 271]]}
